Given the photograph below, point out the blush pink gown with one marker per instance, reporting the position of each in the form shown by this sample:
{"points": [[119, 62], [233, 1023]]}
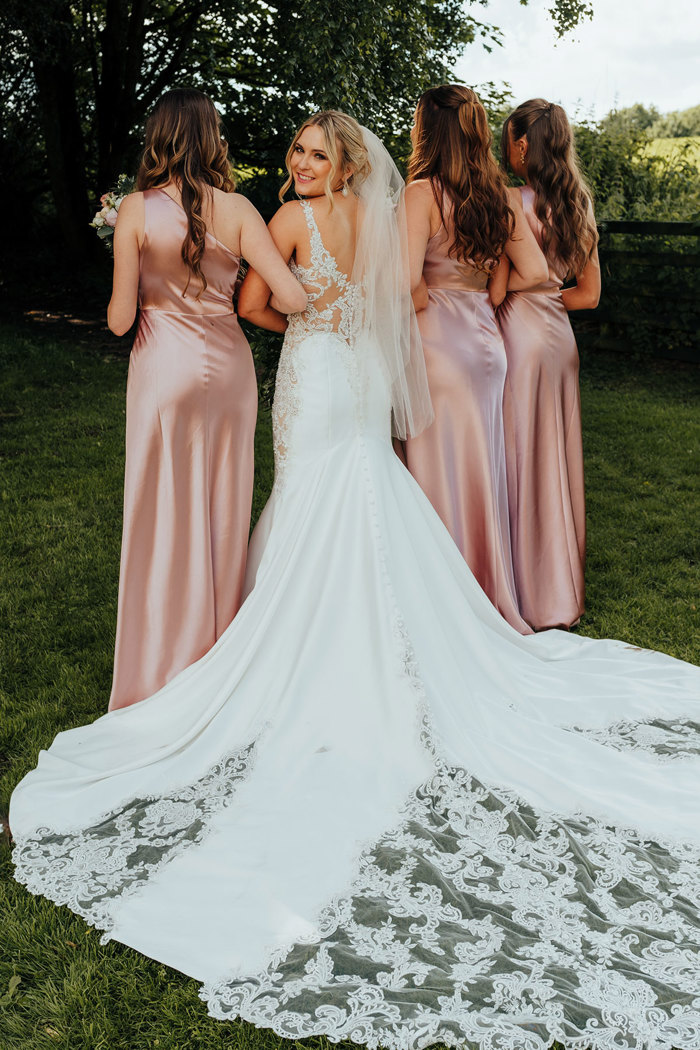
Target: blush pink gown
{"points": [[542, 417], [190, 423], [459, 461]]}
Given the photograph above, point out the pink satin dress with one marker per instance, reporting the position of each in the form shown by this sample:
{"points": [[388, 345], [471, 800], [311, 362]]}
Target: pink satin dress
{"points": [[190, 424], [459, 460], [542, 418]]}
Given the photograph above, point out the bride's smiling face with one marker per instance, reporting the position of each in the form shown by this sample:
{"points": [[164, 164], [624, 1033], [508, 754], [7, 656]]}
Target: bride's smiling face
{"points": [[310, 163]]}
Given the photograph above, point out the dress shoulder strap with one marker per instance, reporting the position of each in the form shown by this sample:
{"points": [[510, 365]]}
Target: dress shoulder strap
{"points": [[318, 249]]}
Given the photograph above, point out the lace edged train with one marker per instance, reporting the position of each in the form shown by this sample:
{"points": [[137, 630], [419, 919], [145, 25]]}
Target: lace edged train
{"points": [[92, 870], [477, 919]]}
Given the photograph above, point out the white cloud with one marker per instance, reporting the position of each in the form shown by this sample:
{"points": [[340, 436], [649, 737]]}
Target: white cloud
{"points": [[632, 51]]}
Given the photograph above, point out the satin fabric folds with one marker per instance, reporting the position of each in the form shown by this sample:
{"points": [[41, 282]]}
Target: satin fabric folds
{"points": [[459, 461], [544, 452], [190, 426]]}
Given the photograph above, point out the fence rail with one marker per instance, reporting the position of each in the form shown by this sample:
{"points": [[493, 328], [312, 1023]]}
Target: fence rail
{"points": [[650, 305]]}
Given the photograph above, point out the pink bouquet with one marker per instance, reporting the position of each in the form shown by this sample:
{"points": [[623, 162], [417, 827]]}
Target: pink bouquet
{"points": [[106, 218]]}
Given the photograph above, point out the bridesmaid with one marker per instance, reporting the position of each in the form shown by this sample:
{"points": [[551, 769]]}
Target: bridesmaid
{"points": [[191, 394], [542, 409], [461, 221]]}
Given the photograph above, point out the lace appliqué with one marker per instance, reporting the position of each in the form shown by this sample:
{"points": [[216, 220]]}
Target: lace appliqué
{"points": [[479, 920], [92, 870], [668, 740], [337, 314], [285, 407]]}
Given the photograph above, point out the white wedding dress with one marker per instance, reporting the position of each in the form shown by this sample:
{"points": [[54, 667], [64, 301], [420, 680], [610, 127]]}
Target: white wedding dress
{"points": [[373, 810]]}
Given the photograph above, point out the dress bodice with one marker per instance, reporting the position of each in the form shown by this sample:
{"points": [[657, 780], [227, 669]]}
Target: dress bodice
{"points": [[441, 270], [333, 299], [329, 387], [557, 270], [163, 274]]}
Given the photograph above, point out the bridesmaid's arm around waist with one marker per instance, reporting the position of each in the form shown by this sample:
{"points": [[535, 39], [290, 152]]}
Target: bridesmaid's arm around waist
{"points": [[498, 281], [528, 264], [128, 238], [269, 279], [585, 294]]}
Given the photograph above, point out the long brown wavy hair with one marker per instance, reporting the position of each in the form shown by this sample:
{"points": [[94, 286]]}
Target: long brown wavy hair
{"points": [[184, 145], [562, 198], [344, 145], [453, 150]]}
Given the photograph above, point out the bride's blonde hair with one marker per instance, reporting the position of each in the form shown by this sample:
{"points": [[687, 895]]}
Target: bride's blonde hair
{"points": [[344, 145]]}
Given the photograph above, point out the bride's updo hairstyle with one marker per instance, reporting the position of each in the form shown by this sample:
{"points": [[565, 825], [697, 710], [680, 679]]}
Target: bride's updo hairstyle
{"points": [[345, 148], [452, 149], [562, 198], [184, 145]]}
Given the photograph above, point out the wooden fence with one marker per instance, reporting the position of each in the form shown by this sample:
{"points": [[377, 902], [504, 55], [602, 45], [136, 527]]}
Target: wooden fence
{"points": [[650, 303]]}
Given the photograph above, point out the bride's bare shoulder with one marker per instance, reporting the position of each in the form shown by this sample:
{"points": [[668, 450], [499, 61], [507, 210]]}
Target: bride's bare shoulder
{"points": [[289, 217]]}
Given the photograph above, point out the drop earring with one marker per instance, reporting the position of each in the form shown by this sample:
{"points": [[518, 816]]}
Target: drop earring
{"points": [[344, 190]]}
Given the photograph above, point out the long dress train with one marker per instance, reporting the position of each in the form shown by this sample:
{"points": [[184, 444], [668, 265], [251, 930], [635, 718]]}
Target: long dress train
{"points": [[459, 461], [374, 810], [544, 450], [191, 409]]}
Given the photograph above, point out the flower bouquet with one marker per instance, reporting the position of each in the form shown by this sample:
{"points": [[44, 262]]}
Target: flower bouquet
{"points": [[106, 218]]}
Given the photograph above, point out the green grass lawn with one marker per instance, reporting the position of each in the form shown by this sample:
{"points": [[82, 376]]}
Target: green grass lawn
{"points": [[61, 462]]}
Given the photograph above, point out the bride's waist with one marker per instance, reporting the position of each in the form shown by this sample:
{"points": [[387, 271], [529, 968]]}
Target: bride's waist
{"points": [[301, 327]]}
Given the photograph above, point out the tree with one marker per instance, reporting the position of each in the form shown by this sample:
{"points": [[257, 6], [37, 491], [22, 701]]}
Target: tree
{"points": [[92, 69], [678, 124]]}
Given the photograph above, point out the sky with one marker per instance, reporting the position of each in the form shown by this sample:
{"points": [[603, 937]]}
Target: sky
{"points": [[632, 51]]}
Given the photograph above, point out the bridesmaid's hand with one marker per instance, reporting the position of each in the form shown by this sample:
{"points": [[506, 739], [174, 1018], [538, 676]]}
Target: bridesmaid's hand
{"points": [[585, 295], [498, 281], [420, 296]]}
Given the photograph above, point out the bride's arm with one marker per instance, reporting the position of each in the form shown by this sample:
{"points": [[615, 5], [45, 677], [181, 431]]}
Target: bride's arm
{"points": [[268, 252]]}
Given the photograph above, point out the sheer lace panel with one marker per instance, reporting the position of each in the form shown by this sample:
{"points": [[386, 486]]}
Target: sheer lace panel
{"points": [[333, 299]]}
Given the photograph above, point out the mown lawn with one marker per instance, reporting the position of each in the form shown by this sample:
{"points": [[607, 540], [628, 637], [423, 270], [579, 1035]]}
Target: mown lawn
{"points": [[61, 462]]}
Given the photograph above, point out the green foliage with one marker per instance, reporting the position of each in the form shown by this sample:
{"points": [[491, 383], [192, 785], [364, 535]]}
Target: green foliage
{"points": [[631, 119], [677, 124], [629, 181], [687, 149], [83, 77]]}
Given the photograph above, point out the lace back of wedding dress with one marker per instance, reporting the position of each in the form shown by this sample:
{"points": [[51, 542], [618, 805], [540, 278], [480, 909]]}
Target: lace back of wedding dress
{"points": [[333, 298]]}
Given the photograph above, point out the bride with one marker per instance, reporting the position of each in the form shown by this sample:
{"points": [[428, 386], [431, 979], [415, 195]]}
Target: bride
{"points": [[373, 810]]}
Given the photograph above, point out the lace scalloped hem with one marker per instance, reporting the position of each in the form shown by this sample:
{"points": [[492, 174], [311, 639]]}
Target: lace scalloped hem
{"points": [[92, 870], [480, 921]]}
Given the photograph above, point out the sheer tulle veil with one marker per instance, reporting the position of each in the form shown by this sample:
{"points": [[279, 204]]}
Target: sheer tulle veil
{"points": [[387, 323]]}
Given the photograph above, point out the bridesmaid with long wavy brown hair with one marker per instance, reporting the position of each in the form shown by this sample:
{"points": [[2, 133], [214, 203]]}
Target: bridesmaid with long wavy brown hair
{"points": [[191, 394], [542, 407], [462, 221]]}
